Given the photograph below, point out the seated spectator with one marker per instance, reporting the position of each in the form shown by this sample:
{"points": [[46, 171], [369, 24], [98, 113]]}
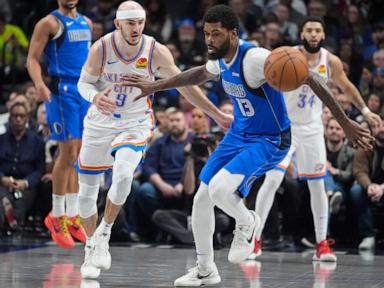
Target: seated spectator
{"points": [[200, 122], [375, 102], [162, 169], [13, 49], [20, 166], [177, 222], [369, 171], [289, 29], [327, 114], [339, 165], [105, 13], [378, 79]]}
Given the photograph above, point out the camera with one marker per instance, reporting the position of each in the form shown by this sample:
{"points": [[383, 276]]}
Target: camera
{"points": [[200, 144]]}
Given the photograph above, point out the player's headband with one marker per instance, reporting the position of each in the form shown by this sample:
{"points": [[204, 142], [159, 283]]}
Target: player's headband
{"points": [[129, 14]]}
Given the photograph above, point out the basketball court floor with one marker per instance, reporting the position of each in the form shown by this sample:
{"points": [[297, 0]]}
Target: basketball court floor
{"points": [[28, 263]]}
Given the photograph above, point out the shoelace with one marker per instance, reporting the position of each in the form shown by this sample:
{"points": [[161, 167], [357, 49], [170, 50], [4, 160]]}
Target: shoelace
{"points": [[75, 221], [63, 226]]}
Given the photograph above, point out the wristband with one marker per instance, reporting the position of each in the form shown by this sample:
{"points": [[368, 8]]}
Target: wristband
{"points": [[365, 111]]}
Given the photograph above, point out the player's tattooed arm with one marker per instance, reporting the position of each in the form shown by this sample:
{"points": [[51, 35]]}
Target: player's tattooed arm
{"points": [[321, 89], [358, 135]]}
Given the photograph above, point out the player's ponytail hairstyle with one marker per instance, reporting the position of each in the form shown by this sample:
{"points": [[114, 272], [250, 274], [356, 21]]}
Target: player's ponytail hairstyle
{"points": [[223, 14]]}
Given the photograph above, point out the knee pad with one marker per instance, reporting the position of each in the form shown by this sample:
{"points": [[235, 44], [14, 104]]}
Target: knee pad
{"points": [[121, 181], [87, 199]]}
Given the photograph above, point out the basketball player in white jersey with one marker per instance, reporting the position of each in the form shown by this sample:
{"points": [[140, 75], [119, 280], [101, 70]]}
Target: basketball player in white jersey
{"points": [[117, 128], [304, 110]]}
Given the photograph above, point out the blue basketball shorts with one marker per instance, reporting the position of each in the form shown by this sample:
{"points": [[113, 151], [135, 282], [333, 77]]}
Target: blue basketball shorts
{"points": [[66, 111], [248, 155]]}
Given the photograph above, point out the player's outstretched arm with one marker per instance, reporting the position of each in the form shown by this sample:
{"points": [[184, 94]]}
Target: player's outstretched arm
{"points": [[165, 65], [89, 76], [358, 135], [342, 81], [43, 31]]}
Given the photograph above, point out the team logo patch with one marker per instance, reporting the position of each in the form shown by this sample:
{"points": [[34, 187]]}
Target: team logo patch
{"points": [[58, 128], [142, 63], [321, 69]]}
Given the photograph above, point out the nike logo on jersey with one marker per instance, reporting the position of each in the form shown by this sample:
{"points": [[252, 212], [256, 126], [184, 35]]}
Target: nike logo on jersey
{"points": [[235, 74], [112, 62], [69, 23], [83, 23]]}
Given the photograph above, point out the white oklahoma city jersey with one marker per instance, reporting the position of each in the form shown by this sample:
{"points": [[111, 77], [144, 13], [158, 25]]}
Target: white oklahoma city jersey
{"points": [[115, 66], [304, 110], [303, 105], [131, 124]]}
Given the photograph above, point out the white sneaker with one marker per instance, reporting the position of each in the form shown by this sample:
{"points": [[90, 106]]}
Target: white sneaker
{"points": [[86, 283], [195, 277], [101, 257], [368, 243], [88, 271], [243, 241]]}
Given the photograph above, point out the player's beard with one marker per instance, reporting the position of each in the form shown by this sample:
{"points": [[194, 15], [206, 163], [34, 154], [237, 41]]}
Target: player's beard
{"points": [[220, 51], [310, 49]]}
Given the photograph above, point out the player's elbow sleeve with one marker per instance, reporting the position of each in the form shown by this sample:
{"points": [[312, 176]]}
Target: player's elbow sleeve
{"points": [[86, 86]]}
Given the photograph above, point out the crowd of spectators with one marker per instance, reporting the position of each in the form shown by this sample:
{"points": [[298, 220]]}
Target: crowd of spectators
{"points": [[159, 206]]}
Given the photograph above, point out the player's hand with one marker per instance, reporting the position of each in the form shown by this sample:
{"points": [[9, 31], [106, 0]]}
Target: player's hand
{"points": [[44, 94], [103, 103], [373, 119], [146, 85], [359, 136], [224, 120]]}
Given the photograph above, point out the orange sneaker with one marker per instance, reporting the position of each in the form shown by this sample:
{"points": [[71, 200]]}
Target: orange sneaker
{"points": [[324, 252], [256, 250], [59, 230], [76, 229]]}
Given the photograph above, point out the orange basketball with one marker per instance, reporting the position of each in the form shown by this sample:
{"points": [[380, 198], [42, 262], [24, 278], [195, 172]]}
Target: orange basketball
{"points": [[286, 68]]}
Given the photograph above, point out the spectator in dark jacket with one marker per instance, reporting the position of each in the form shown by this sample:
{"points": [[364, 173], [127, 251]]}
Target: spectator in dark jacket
{"points": [[21, 165]]}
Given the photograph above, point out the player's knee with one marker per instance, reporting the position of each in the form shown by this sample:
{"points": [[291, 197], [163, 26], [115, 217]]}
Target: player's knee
{"points": [[87, 200], [121, 182], [217, 188]]}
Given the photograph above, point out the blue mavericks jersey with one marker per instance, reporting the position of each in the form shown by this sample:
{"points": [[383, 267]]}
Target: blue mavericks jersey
{"points": [[66, 55], [259, 111]]}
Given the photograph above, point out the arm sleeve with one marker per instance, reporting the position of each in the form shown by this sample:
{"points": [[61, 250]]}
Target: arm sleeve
{"points": [[253, 65], [213, 67], [87, 85]]}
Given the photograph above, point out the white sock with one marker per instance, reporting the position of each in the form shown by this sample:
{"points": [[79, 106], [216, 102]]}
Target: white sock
{"points": [[104, 227], [72, 204], [203, 227], [319, 206], [265, 196], [58, 204]]}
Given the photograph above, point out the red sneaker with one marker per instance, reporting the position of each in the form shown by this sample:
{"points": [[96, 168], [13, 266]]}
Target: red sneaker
{"points": [[256, 250], [59, 230], [324, 252], [76, 229]]}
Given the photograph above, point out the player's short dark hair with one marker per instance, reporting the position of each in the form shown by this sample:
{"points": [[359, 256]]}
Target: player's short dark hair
{"points": [[223, 14], [312, 19]]}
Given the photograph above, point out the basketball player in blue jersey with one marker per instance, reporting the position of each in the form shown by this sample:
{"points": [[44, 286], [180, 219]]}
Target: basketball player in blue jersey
{"points": [[258, 139], [117, 128], [304, 110], [64, 36]]}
